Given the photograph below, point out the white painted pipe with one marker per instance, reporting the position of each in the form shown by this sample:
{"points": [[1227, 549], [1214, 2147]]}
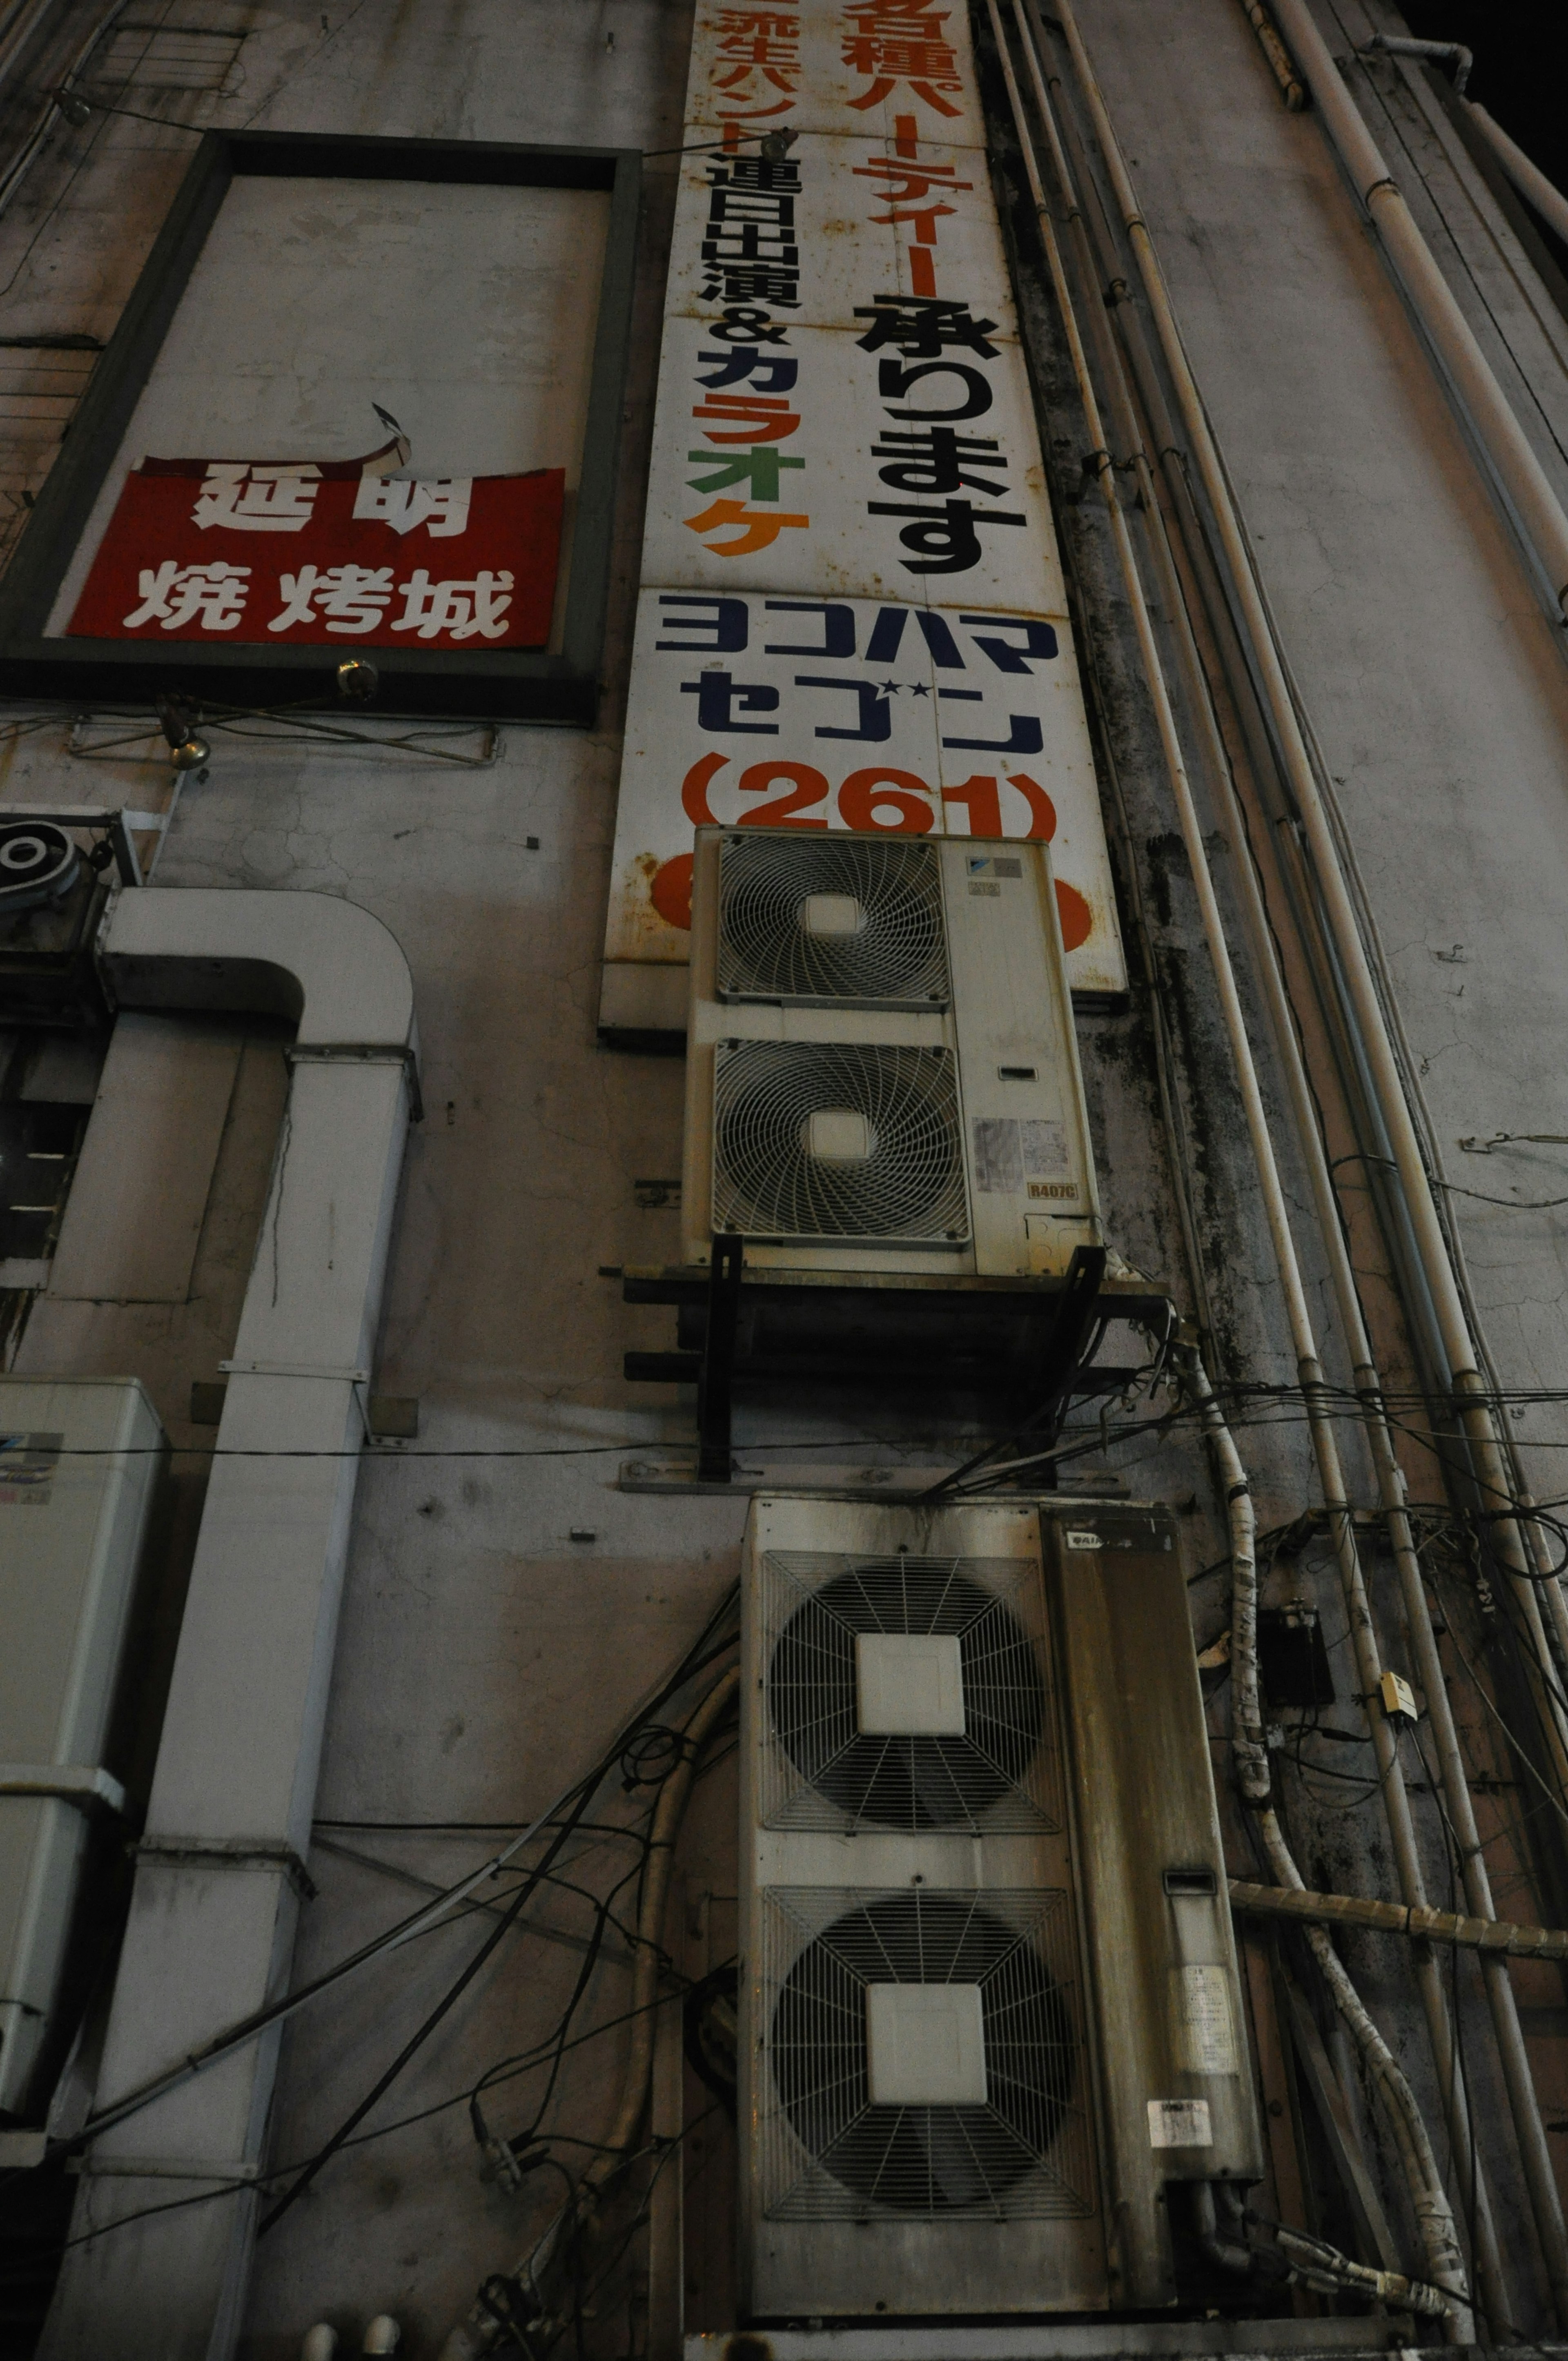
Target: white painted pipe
{"points": [[1366, 1007], [1469, 1387], [1434, 2217], [1430, 298], [1246, 1718], [1442, 53], [221, 1862], [1529, 179]]}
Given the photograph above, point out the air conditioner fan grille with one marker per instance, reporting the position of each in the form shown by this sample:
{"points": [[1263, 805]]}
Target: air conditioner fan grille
{"points": [[901, 1183], [887, 947], [828, 2152], [998, 1773]]}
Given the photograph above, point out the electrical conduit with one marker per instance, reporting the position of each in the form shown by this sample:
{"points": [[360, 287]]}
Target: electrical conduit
{"points": [[1369, 1653], [1445, 2264], [1378, 1051], [479, 2332]]}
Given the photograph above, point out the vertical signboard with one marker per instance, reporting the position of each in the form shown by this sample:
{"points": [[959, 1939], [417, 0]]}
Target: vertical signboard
{"points": [[852, 613]]}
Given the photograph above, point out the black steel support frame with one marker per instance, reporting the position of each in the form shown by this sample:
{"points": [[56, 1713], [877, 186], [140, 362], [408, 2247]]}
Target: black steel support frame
{"points": [[495, 682], [716, 1383], [1078, 1310]]}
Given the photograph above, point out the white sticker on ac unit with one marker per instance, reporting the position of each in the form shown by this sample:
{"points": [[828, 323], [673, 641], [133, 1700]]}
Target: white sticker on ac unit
{"points": [[1083, 1541], [1205, 2029], [998, 1156], [1179, 2123]]}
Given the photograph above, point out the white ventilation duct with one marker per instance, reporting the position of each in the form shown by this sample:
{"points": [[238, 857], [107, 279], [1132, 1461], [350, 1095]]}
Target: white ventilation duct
{"points": [[220, 1868]]}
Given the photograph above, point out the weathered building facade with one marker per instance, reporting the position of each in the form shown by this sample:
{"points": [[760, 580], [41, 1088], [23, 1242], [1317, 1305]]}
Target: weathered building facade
{"points": [[1141, 430]]}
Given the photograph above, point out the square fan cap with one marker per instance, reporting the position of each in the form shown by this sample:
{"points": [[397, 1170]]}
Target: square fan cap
{"points": [[925, 2046], [832, 914], [908, 1686]]}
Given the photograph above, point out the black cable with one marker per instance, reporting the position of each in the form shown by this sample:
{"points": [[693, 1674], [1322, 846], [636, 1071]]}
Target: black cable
{"points": [[588, 1787], [416, 2040], [248, 2027]]}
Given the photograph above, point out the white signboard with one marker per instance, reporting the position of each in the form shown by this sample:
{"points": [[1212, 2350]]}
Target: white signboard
{"points": [[854, 614]]}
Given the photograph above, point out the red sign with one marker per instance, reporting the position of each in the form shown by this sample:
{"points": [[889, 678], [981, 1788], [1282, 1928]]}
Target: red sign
{"points": [[291, 553]]}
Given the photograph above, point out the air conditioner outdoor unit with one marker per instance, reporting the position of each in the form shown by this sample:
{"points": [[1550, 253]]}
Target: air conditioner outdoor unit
{"points": [[78, 1464], [882, 1074], [989, 1995]]}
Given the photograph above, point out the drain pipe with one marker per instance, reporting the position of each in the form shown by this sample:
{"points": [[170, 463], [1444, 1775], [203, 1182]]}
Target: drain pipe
{"points": [[221, 1865], [1395, 1918], [1364, 1637], [1444, 2261], [1377, 1048], [1529, 179], [1431, 300], [1442, 53]]}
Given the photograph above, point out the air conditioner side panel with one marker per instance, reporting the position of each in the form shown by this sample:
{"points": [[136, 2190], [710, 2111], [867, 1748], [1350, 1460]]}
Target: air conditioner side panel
{"points": [[1163, 1964], [1032, 1186]]}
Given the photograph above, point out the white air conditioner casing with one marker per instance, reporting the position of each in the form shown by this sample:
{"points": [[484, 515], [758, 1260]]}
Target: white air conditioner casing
{"points": [[882, 1074], [78, 1465], [988, 1978]]}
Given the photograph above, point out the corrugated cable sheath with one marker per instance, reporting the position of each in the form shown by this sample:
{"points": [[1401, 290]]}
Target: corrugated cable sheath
{"points": [[1422, 1926]]}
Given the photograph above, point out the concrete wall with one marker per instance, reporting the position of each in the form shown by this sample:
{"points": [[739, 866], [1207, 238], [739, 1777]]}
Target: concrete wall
{"points": [[484, 1653]]}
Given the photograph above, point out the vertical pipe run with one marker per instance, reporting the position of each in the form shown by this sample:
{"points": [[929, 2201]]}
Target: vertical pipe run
{"points": [[1469, 1391], [1364, 1637], [1445, 2265]]}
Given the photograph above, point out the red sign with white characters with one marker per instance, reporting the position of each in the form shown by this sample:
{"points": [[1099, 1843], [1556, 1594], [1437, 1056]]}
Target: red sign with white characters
{"points": [[292, 553]]}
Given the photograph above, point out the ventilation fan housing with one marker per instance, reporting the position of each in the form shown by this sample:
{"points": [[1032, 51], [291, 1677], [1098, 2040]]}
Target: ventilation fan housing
{"points": [[984, 1930], [882, 1074]]}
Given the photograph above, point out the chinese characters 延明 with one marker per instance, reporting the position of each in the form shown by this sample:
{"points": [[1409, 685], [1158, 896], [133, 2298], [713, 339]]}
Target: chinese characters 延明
{"points": [[349, 599]]}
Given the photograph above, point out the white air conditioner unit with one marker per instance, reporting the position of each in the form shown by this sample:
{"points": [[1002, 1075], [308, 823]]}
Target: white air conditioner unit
{"points": [[78, 1464], [988, 1996], [882, 1074]]}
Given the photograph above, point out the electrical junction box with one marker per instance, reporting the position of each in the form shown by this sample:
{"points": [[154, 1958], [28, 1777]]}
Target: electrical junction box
{"points": [[882, 1074], [989, 1998], [80, 1460]]}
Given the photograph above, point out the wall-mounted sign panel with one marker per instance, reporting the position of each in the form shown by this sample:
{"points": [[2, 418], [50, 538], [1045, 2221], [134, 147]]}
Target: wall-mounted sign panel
{"points": [[477, 298], [774, 711], [835, 66], [853, 612], [266, 553]]}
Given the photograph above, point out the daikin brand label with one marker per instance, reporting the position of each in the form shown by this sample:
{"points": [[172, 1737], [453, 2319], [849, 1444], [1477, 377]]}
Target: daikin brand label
{"points": [[1179, 2123], [852, 613], [1205, 2031]]}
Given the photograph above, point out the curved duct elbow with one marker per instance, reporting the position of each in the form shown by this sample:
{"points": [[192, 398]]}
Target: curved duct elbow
{"points": [[324, 963]]}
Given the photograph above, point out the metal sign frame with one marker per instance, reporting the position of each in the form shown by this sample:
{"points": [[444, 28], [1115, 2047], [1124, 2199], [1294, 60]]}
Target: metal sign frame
{"points": [[535, 686]]}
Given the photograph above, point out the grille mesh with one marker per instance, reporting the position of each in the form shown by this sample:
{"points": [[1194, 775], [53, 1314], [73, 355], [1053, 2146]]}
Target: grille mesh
{"points": [[826, 2153], [895, 958], [768, 1183], [821, 1773]]}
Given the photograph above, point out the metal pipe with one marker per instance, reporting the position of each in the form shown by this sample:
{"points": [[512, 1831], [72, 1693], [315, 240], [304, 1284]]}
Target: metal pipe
{"points": [[1282, 65], [1445, 2262], [1442, 53], [1368, 1651], [1529, 179], [1431, 300], [1490, 1935], [1376, 1045], [1368, 1648], [1422, 2171]]}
